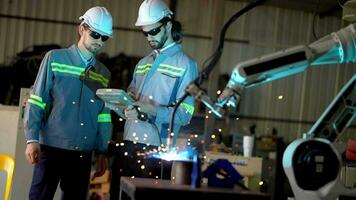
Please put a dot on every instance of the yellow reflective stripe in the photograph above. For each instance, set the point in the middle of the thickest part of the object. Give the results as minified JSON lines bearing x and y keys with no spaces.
{"x":103,"y":82}
{"x":70,"y":69}
{"x":144,"y":66}
{"x":39,"y":104}
{"x":170,"y":72}
{"x":171,"y":67}
{"x":68,"y":66}
{"x":66,"y":71}
{"x":35,"y":97}
{"x":98,"y":77}
{"x":189,"y":108}
{"x":142,"y":71}
{"x":102,"y":118}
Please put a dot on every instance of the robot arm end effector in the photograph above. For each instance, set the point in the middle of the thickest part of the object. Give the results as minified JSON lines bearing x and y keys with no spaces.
{"x":229,"y":97}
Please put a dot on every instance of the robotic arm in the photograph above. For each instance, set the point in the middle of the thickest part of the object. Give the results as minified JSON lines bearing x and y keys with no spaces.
{"x":312,"y":164}
{"x":337,"y":47}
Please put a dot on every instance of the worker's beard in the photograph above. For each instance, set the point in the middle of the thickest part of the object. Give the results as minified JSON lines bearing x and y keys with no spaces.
{"x":93,"y":47}
{"x":155,"y":44}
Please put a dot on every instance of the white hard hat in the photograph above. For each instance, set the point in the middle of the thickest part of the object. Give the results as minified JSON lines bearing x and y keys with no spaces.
{"x":151,"y":11}
{"x":99,"y":19}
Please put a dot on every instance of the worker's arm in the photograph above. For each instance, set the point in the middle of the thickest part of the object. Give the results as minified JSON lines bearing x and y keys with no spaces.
{"x":102,"y":141}
{"x":104,"y":131}
{"x":37,"y":108}
{"x":186,"y":109}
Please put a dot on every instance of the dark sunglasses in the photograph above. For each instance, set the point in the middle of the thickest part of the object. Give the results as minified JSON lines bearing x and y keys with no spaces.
{"x":153,"y":32}
{"x":96,"y":36}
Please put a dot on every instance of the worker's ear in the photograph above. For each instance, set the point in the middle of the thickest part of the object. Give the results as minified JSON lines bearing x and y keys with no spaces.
{"x":81,"y":30}
{"x":169,"y":26}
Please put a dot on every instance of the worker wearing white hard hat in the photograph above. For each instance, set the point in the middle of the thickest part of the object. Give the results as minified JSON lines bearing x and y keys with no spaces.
{"x":99,"y":19}
{"x":159,"y":81}
{"x":64,"y":121}
{"x":151,"y":12}
{"x":154,"y":16}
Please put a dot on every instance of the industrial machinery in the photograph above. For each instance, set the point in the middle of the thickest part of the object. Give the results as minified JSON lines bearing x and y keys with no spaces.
{"x":337,"y":47}
{"x":312,"y":164}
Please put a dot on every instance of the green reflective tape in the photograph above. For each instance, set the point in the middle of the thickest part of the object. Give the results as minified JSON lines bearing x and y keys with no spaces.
{"x":103,"y":82}
{"x":35,"y":102}
{"x":74,"y":70}
{"x":143,"y":71}
{"x":68,"y":67}
{"x":98,"y":77}
{"x":144,"y":66}
{"x":66,"y":71}
{"x":38,"y":98}
{"x":169,"y":72}
{"x":172,"y":67}
{"x":102,"y":118}
{"x":189,"y":108}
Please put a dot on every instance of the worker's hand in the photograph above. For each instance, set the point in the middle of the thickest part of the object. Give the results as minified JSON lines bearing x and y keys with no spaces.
{"x":33,"y":152}
{"x":146,"y":108}
{"x":101,"y":165}
{"x":131,"y":113}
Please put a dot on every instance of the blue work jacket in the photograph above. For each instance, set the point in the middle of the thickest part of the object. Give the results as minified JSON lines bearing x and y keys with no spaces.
{"x":63,"y":110}
{"x":161,"y":82}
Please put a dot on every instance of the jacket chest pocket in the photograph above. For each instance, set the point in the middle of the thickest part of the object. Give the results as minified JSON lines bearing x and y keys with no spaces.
{"x":166,"y":87}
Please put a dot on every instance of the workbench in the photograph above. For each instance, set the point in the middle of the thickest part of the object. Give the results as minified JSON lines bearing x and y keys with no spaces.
{"x":144,"y":188}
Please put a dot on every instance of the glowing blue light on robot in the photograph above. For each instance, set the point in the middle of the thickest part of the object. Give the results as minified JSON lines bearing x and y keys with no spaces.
{"x":341,"y":54}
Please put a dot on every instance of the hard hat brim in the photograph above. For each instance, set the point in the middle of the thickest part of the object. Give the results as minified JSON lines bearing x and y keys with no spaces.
{"x":94,"y":29}
{"x":141,"y":23}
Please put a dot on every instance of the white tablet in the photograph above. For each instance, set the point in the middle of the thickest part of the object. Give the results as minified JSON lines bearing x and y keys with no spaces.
{"x":115,"y":99}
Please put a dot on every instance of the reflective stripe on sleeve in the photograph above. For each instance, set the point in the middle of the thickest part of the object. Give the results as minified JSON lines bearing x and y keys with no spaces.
{"x":188,"y":108}
{"x":37,"y":103}
{"x":104,"y":118}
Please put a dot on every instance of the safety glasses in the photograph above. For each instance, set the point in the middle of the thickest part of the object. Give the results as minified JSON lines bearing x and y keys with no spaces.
{"x":153,"y":32}
{"x":96,"y":36}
